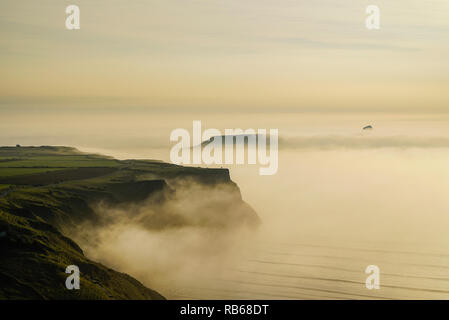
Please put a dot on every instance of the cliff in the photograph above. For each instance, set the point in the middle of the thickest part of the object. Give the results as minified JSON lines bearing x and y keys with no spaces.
{"x":46,"y":192}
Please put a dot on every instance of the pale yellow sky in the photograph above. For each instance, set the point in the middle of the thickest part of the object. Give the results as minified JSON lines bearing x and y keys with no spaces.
{"x":268,"y":54}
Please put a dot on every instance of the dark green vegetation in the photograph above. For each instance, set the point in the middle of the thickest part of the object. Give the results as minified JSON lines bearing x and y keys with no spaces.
{"x":34,"y":256}
{"x":45,"y":192}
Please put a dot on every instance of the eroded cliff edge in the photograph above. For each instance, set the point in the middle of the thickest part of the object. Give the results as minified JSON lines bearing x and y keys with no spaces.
{"x":48,"y":192}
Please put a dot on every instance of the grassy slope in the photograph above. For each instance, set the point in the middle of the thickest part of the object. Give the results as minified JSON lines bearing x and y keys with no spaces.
{"x":34,"y":254}
{"x":35,"y":206}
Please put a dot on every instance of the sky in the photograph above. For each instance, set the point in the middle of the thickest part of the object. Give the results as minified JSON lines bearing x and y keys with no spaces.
{"x":269,"y":55}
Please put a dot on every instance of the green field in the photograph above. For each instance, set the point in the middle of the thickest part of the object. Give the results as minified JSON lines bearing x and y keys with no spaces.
{"x":57,"y":162}
{"x":9,"y":172}
{"x":46,"y":165}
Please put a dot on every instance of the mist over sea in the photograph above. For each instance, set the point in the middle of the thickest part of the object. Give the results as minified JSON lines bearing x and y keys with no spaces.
{"x":343,"y":199}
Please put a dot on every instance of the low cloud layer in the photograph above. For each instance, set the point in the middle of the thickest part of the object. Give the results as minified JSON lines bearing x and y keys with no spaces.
{"x":174,"y":239}
{"x":362,"y":142}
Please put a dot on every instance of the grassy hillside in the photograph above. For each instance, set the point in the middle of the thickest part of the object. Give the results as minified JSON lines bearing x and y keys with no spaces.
{"x":47,"y":191}
{"x":34,"y":256}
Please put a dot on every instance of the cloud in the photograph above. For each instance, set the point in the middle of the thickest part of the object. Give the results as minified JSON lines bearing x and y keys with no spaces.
{"x":166,"y":240}
{"x":354,"y":45}
{"x":362,"y":142}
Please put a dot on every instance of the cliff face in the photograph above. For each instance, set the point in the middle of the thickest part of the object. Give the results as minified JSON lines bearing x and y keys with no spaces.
{"x":47,"y":192}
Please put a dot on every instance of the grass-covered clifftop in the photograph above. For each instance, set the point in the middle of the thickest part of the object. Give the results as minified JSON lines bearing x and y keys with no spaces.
{"x":46,"y":192}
